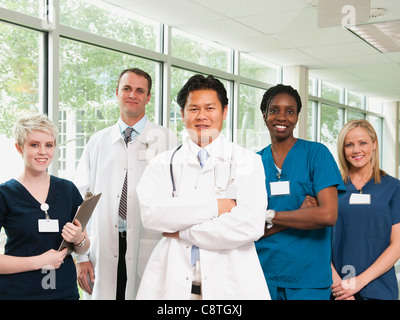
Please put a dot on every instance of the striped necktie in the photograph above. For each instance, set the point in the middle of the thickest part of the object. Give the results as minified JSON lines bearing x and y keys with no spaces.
{"x":122,"y":204}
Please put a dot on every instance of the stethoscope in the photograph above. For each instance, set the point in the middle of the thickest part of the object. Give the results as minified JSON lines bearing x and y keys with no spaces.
{"x":219,"y":187}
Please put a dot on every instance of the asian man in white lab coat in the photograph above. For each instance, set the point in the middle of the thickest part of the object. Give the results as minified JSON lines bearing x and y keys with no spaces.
{"x":208,"y":198}
{"x":112,"y":163}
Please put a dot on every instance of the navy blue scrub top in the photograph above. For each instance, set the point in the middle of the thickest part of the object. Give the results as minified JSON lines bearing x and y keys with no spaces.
{"x":19,"y":215}
{"x":362,"y":233}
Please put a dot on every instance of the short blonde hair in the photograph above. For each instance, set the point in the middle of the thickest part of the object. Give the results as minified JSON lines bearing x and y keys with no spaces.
{"x":31,"y":123}
{"x":344,"y":165}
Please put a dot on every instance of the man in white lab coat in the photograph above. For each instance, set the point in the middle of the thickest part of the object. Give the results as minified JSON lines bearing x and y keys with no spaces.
{"x":210,"y":211}
{"x":120,"y":247}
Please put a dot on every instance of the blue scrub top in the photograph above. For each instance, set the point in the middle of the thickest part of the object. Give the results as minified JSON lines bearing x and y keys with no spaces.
{"x":19,"y":214}
{"x":296,"y":258}
{"x":362,"y":233}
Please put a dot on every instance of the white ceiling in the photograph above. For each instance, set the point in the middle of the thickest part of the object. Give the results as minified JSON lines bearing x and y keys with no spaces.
{"x":286,"y":32}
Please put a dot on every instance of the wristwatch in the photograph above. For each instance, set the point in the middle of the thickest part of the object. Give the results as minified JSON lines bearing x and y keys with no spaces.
{"x":268,"y":218}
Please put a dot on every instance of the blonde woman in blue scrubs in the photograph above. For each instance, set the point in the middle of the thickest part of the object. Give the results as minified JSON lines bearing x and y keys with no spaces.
{"x":295,"y":253}
{"x":36,"y":210}
{"x":367,"y":233}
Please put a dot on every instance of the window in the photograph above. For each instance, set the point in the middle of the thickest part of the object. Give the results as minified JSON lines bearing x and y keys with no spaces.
{"x":356,"y":100}
{"x":110,"y":21}
{"x":353,"y":115}
{"x":331,"y":123}
{"x":88,"y":80}
{"x":252,"y":132}
{"x":199,"y":51}
{"x":256,"y":69}
{"x":29,"y":7}
{"x":326,"y":118}
{"x":332,"y":92}
{"x":19,"y":88}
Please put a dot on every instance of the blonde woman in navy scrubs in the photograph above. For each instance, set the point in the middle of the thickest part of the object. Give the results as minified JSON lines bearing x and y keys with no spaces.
{"x":36,"y":211}
{"x":367,"y":232}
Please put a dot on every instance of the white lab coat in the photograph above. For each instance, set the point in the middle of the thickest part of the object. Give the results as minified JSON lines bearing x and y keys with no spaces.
{"x":102,"y":169}
{"x":229,"y":264}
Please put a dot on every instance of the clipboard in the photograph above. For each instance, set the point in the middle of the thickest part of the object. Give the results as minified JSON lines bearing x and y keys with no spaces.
{"x":83,"y":214}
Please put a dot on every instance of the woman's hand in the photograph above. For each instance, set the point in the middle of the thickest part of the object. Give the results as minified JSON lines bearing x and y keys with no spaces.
{"x":73,"y":232}
{"x":346,"y":289}
{"x":309,"y":202}
{"x":52,"y":258}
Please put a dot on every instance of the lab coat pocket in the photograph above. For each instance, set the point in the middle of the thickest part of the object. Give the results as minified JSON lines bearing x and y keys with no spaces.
{"x":147,"y":154}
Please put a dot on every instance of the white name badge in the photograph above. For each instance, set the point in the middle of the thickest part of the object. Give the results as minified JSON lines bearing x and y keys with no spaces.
{"x":48,"y":225}
{"x":360,"y":198}
{"x":279,"y":188}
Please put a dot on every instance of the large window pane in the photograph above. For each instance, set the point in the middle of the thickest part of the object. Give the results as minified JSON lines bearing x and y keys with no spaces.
{"x":252,"y":133}
{"x":356,"y":100}
{"x":29,"y":7}
{"x":200,"y":51}
{"x":353,"y":115}
{"x":331,"y":123}
{"x":88,"y":80}
{"x":256,"y":69}
{"x":19,"y":88}
{"x":332,"y":92}
{"x":107,"y":20}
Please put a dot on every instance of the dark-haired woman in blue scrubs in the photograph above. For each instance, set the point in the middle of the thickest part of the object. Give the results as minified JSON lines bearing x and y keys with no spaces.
{"x":367,"y":232}
{"x":295,"y":253}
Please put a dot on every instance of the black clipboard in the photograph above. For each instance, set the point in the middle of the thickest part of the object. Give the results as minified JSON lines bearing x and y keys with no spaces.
{"x":83,"y":214}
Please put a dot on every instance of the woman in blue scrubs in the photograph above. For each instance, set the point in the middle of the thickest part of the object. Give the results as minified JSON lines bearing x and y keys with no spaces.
{"x":367,"y":233}
{"x":295,"y":252}
{"x":36,"y":211}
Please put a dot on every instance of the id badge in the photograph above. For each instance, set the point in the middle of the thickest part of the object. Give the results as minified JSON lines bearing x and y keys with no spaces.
{"x":280,"y":188}
{"x":360,"y":198}
{"x":48,"y":225}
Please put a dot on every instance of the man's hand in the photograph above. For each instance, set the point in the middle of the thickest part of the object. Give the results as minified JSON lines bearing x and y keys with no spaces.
{"x":85,"y":274}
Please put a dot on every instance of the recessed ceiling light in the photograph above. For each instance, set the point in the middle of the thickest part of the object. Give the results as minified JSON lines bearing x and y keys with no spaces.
{"x":377,"y":12}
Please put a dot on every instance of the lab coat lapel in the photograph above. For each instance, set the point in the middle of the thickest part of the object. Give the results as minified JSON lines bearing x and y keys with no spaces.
{"x":116,"y":135}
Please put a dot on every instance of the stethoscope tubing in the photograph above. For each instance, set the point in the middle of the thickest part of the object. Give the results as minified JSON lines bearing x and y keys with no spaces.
{"x":171,"y":171}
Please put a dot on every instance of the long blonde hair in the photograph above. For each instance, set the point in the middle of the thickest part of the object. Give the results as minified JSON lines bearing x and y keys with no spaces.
{"x":344,"y":165}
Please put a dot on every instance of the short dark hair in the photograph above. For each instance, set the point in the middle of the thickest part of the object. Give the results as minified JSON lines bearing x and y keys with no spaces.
{"x":139,"y":72}
{"x":200,"y":82}
{"x":270,"y":94}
